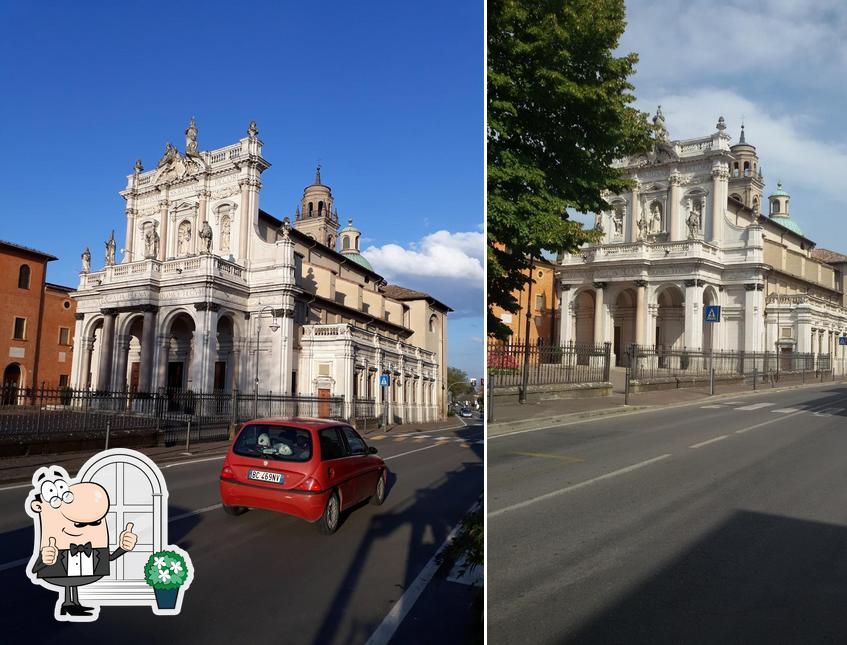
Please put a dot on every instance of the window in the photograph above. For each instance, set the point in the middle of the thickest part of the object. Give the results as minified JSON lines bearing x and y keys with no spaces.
{"x":354,"y":442}
{"x":63,"y":380}
{"x":281,"y":443}
{"x":345,"y":243}
{"x":23,"y":277}
{"x":539,"y":301}
{"x":20,"y":329}
{"x":432,"y":322}
{"x":66,"y":304}
{"x":332,"y":446}
{"x":64,"y":336}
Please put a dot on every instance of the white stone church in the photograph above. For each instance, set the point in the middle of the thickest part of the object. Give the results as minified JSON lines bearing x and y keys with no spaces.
{"x":691,"y":233}
{"x":213,"y":294}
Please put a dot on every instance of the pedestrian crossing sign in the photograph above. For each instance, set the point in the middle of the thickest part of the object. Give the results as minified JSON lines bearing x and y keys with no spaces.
{"x":712,"y":313}
{"x":842,"y":340}
{"x":384,"y":380}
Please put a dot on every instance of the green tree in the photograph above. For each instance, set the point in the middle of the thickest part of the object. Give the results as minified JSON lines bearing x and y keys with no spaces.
{"x":459,"y":385}
{"x":559,"y":114}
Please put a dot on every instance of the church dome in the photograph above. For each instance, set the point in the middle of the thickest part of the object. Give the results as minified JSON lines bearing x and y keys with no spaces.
{"x":788,"y":223}
{"x":359,"y":259}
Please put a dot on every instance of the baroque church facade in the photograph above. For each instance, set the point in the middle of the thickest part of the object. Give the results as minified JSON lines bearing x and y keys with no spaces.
{"x":215,"y":294}
{"x":696,"y":230}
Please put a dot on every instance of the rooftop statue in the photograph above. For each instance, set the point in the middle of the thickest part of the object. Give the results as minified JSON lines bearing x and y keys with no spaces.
{"x":110,"y":250}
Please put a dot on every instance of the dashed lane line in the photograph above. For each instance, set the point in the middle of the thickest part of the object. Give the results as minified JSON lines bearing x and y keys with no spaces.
{"x":756,"y":406}
{"x":707,"y":442}
{"x":573,"y":487}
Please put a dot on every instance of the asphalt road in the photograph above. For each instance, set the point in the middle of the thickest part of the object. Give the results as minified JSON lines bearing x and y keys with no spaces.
{"x":721,"y":522}
{"x":265,"y":577}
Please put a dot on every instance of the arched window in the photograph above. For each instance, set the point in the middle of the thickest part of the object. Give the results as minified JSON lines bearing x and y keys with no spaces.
{"x":776,"y":206}
{"x":320,"y":208}
{"x":345,"y":242}
{"x":311,"y":206}
{"x":735,"y":169}
{"x":433,"y":319}
{"x":23,"y":277}
{"x":746,"y":168}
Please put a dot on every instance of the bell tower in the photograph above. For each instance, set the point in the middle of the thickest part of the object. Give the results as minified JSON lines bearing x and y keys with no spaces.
{"x":745,"y":175}
{"x":316,"y":216}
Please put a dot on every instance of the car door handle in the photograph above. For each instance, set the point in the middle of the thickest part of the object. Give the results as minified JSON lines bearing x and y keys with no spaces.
{"x":331,"y":473}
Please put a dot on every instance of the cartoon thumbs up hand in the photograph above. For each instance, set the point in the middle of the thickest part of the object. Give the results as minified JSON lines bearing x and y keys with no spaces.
{"x":127,"y":538}
{"x":49,"y":553}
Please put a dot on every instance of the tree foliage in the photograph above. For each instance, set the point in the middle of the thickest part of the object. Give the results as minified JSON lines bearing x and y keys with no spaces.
{"x":559,"y":114}
{"x":459,"y":385}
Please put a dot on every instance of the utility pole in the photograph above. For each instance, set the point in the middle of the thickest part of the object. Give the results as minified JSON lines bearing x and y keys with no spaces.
{"x":525,"y":378}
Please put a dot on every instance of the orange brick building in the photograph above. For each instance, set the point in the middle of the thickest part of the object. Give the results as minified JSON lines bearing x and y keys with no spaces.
{"x":37,"y":320}
{"x":543,"y":303}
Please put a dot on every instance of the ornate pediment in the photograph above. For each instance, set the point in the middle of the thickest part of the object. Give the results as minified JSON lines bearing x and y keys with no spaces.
{"x":174,"y":166}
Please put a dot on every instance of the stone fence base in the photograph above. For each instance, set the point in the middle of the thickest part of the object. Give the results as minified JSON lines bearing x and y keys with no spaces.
{"x":506,"y":395}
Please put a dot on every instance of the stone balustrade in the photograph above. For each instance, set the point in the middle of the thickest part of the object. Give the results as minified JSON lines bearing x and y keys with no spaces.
{"x":362,"y":337}
{"x":692,"y":249}
{"x":153,"y":270}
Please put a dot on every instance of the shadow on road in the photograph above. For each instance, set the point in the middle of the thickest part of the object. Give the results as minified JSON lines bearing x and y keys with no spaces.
{"x":757,"y":578}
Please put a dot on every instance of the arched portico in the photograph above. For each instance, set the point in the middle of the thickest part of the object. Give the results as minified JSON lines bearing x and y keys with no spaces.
{"x":668,"y":328}
{"x":623,"y":317}
{"x":176,"y":341}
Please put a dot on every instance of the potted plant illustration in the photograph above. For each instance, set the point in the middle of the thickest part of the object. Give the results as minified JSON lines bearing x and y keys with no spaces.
{"x":166,"y":572}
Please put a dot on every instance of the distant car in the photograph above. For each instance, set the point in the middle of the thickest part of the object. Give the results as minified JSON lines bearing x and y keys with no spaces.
{"x":309,"y":468}
{"x":466,"y":412}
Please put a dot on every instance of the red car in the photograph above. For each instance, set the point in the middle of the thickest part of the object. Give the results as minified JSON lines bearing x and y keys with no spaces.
{"x":310,"y":468}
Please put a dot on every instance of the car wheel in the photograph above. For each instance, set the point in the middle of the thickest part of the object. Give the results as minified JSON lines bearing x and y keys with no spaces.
{"x":379,"y":492}
{"x":234,"y":510}
{"x":328,"y":524}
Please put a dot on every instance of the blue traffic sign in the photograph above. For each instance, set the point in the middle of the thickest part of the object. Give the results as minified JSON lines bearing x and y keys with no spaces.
{"x":842,"y":340}
{"x":384,"y":380}
{"x":712,"y":313}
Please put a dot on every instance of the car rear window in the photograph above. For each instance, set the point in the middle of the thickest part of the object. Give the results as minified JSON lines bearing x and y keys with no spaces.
{"x":274,"y":442}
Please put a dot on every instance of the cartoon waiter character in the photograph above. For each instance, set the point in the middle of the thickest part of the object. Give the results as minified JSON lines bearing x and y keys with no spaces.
{"x":71,"y":529}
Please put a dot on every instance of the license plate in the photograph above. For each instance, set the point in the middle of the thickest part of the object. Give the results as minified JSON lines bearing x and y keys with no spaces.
{"x":262,"y":476}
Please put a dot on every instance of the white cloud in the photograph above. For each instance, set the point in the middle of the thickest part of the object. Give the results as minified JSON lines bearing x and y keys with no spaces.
{"x":441,"y":254}
{"x":449,"y":266}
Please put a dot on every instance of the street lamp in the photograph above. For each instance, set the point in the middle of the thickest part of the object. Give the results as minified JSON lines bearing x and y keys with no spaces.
{"x":274,"y":326}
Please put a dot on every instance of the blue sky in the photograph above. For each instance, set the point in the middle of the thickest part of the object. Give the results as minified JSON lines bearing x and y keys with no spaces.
{"x":778,"y":65}
{"x":388,"y":96}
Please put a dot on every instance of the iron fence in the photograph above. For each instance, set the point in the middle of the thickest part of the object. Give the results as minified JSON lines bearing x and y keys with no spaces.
{"x":513,"y":364}
{"x":42,"y":411}
{"x":656,"y":362}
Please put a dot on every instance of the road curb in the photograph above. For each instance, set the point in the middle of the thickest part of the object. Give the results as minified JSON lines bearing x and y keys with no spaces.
{"x":497,"y":429}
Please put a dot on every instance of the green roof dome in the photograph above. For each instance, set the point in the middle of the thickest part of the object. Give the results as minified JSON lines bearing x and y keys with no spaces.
{"x":788,"y":223}
{"x":358,"y":259}
{"x":779,"y":191}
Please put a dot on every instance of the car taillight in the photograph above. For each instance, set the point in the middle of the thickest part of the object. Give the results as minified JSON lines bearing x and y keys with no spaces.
{"x":227,"y":472}
{"x":310,"y":484}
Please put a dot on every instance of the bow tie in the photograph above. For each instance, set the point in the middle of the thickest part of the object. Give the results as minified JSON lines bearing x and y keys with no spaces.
{"x":81,"y":548}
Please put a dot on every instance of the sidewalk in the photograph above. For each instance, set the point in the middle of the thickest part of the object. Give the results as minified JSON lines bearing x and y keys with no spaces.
{"x":430,"y":426}
{"x":516,"y":416}
{"x":20,"y":469}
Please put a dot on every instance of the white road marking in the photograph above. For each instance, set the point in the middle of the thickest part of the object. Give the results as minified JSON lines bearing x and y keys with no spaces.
{"x":706,"y":443}
{"x":787,"y":410}
{"x":403,"y":454}
{"x":385,"y":632}
{"x":827,"y":412}
{"x":573,"y":487}
{"x":711,"y":407}
{"x":13,"y":564}
{"x":16,"y":486}
{"x":192,"y":461}
{"x":756,"y":406}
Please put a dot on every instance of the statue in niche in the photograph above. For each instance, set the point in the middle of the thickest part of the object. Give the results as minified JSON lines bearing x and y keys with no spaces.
{"x":151,"y":242}
{"x":695,"y":219}
{"x":206,"y":237}
{"x":86,"y":261}
{"x":617,"y":220}
{"x":225,"y":224}
{"x":655,"y":218}
{"x":598,"y":222}
{"x":110,"y":250}
{"x":643,"y":227}
{"x":184,"y":239}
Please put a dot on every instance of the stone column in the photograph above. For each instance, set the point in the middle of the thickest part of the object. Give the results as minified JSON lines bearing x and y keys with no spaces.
{"x":77,"y":349}
{"x":119,"y":376}
{"x":204,"y":347}
{"x":640,"y":311}
{"x":107,"y":343}
{"x":163,"y":229}
{"x":162,"y":361}
{"x":673,"y":208}
{"x":236,"y":364}
{"x":719,"y":195}
{"x":565,"y":299}
{"x":244,"y":220}
{"x":83,"y":378}
{"x":148,"y":343}
{"x":752,"y":317}
{"x":599,"y":317}
{"x":693,"y":335}
{"x":129,"y":244}
{"x":635,"y":208}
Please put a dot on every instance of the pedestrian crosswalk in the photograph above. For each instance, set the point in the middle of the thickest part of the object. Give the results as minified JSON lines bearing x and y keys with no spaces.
{"x":818,"y":411}
{"x":415,"y":438}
